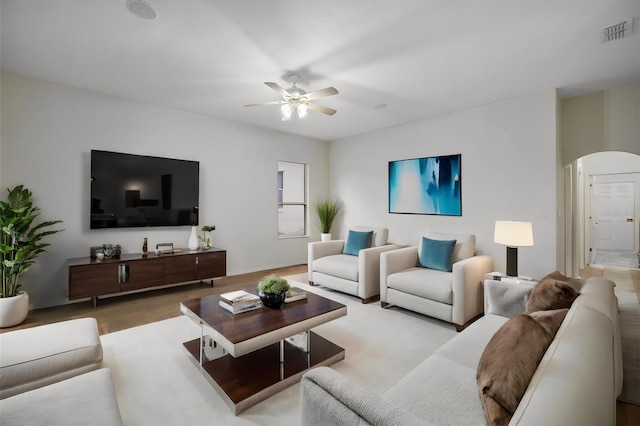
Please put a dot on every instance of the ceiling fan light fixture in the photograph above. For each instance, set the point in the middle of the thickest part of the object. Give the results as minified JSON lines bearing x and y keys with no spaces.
{"x":286,"y":110}
{"x":302,"y":109}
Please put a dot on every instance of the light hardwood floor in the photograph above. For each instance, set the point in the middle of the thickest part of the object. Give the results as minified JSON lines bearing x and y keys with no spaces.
{"x":122,"y":312}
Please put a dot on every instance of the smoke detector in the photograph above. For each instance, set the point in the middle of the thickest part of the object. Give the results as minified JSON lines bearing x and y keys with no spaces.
{"x":617,"y":31}
{"x":141,"y":9}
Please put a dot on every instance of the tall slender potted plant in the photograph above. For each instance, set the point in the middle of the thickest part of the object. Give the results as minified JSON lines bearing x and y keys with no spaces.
{"x":327,"y":209}
{"x":20,"y":244}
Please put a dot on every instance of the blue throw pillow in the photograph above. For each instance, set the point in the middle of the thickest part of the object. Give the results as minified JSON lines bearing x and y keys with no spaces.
{"x":357,"y":241}
{"x":436,"y":254}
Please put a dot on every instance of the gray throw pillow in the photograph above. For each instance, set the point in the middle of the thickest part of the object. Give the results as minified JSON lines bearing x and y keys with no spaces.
{"x":507,"y":300}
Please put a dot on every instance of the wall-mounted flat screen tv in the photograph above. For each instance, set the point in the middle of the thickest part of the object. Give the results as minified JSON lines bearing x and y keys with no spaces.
{"x":130,"y":190}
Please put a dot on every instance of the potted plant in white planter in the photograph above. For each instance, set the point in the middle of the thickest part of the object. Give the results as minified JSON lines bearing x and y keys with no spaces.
{"x":20,"y":245}
{"x":272,"y":291}
{"x":205,"y":239}
{"x":327,"y":209}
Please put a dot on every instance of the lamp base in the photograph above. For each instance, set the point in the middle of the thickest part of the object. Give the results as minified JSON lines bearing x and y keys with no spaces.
{"x":512,"y":261}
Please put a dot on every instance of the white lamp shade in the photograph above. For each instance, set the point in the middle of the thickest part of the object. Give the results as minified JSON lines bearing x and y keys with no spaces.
{"x":513,"y":234}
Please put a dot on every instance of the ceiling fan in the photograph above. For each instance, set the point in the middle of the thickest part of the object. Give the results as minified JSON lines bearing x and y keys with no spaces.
{"x":297,"y":100}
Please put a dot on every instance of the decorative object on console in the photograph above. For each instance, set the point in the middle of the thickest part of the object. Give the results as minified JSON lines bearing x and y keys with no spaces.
{"x":430,"y":185}
{"x":513,"y":235}
{"x":327,"y":210}
{"x":193,"y":238}
{"x":20,"y":245}
{"x":111,"y":251}
{"x":145,"y":246}
{"x":273,"y":291}
{"x":164,"y":248}
{"x":205,"y":239}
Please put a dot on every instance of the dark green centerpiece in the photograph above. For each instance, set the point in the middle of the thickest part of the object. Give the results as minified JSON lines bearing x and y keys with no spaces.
{"x":272,"y":291}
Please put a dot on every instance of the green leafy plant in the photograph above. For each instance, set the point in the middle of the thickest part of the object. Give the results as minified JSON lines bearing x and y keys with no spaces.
{"x":327,"y":209}
{"x":20,"y":240}
{"x":273,"y":284}
{"x":208,"y":228}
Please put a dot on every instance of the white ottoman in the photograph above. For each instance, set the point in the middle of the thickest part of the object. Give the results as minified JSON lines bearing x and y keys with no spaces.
{"x":88,"y":399}
{"x":38,"y":356}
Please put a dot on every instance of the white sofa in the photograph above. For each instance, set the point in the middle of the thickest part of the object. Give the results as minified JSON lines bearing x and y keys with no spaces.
{"x":51,"y":374}
{"x":576,"y":382}
{"x":355,"y":275}
{"x":455,"y":296}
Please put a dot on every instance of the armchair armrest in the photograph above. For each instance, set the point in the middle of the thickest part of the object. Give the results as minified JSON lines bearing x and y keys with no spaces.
{"x":399,"y":260}
{"x":319,"y":249}
{"x":369,"y":267}
{"x":395,"y":261}
{"x":468,"y":296}
{"x":329,"y":398}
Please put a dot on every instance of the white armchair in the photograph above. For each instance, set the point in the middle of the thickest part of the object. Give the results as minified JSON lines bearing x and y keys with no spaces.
{"x":456,"y":297}
{"x":356,"y":275}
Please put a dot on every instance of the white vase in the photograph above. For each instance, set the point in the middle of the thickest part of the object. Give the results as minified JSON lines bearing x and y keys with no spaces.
{"x":13,"y":310}
{"x":193,"y":238}
{"x":325,"y":237}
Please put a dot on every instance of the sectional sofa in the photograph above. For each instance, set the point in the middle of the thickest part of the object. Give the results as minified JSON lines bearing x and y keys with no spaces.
{"x":52,"y":374}
{"x":576,"y":381}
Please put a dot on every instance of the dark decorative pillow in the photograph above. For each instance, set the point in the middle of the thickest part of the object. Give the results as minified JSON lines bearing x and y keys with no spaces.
{"x":356,"y":241}
{"x":576,"y":283}
{"x":436,"y":254}
{"x":510,"y":359}
{"x":551,"y":294}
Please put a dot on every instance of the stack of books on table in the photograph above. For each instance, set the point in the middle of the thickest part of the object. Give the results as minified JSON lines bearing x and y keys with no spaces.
{"x":294,"y":295}
{"x":240,"y":301}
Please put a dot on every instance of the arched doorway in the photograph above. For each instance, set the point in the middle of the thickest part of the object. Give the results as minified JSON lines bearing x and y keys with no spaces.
{"x":602,"y":211}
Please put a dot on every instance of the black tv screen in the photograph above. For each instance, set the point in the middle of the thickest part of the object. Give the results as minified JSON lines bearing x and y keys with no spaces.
{"x":130,"y":190}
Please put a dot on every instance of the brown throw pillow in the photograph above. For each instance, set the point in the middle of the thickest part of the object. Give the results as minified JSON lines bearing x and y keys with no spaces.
{"x":510,"y":359}
{"x":576,"y":283}
{"x":550,"y":294}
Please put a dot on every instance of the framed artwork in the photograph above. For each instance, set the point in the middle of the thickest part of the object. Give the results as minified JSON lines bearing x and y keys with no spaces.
{"x":429,"y":185}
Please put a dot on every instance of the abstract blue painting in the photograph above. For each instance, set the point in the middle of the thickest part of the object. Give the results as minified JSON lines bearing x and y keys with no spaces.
{"x":429,"y":185}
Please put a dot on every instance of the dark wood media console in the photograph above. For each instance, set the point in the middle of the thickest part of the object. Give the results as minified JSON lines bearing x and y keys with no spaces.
{"x":92,"y":278}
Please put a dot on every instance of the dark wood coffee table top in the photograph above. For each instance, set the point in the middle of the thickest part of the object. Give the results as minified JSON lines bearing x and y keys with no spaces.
{"x":243,"y":333}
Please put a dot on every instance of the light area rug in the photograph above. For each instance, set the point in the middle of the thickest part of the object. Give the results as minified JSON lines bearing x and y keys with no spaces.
{"x":157,"y":384}
{"x":629,"y":309}
{"x":627,"y":291}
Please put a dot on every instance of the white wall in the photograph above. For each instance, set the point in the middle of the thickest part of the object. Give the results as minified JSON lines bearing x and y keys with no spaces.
{"x":48,"y":131}
{"x":508,"y":173}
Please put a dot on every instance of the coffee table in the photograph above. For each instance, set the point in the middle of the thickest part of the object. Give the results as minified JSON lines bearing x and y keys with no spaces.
{"x":249,"y":357}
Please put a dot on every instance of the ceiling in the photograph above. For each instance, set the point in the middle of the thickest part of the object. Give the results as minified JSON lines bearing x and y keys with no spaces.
{"x":421,"y":58}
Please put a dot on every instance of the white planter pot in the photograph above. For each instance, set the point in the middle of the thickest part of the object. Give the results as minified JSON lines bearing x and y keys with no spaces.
{"x":193,"y":238}
{"x":325,"y":237}
{"x":13,"y":310}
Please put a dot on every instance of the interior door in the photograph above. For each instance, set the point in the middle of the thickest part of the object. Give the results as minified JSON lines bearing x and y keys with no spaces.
{"x":612,"y":218}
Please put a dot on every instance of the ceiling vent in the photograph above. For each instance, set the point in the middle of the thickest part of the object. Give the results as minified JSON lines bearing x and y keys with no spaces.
{"x":617,"y":31}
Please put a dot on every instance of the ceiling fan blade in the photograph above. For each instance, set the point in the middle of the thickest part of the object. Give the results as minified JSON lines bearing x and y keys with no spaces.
{"x":320,"y":108}
{"x":278,"y":88}
{"x":268,"y":103}
{"x":321,"y":93}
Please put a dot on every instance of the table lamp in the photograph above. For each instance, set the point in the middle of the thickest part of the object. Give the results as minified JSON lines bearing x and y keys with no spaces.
{"x":513,"y":235}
